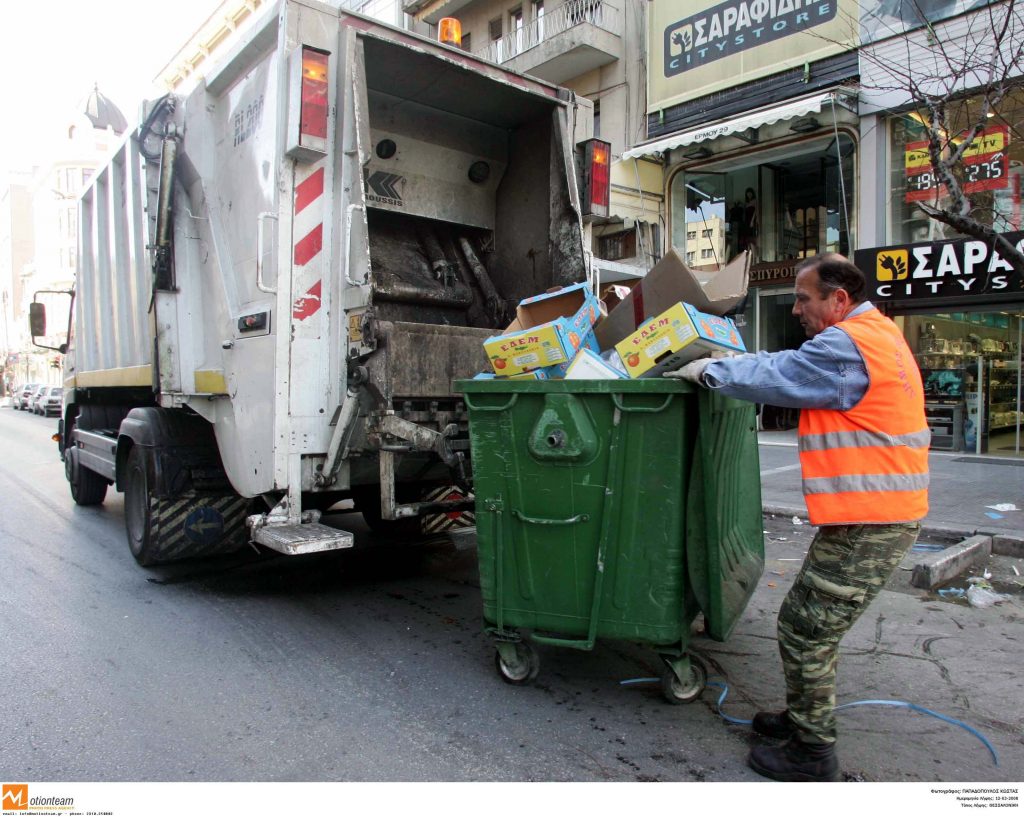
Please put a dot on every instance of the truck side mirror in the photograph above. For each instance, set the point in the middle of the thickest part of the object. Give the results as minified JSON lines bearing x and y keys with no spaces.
{"x":37,"y":319}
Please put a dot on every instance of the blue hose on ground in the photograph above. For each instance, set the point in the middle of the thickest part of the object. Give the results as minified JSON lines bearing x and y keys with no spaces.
{"x":902,"y":704}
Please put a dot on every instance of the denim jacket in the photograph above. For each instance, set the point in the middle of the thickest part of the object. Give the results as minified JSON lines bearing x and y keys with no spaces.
{"x":826,"y":372}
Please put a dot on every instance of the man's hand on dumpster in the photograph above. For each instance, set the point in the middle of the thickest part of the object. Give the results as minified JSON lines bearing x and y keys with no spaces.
{"x":692,"y":371}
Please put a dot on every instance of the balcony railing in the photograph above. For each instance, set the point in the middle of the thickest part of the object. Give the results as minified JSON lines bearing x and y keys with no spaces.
{"x":560,"y":19}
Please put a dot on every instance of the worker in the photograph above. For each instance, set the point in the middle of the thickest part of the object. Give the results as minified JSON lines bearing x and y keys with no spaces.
{"x":863,"y":447}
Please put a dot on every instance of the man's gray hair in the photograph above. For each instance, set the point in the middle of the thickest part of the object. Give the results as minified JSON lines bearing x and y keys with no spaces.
{"x":834,"y":273}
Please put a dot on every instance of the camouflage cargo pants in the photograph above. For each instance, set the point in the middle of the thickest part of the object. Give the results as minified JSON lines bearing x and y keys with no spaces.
{"x":845,"y":568}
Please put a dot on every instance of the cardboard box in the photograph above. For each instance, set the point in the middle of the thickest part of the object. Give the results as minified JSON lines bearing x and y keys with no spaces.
{"x":678,"y":335}
{"x":588,"y":365}
{"x":556,"y":372}
{"x":669,"y":282}
{"x":548,"y":330}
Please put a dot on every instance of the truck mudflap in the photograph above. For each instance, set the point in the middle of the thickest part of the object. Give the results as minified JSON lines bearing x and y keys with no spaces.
{"x":724,"y":539}
{"x":194,"y":525}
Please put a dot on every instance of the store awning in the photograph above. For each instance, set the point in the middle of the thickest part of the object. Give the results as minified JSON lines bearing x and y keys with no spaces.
{"x":766,"y":116}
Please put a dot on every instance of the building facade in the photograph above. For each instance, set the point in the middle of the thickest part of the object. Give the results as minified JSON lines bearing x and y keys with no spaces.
{"x":958,"y":299}
{"x":17,"y":246}
{"x":39,"y":238}
{"x":791,"y":124}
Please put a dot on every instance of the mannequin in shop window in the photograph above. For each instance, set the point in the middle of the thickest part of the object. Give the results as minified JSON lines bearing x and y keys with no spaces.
{"x":748,"y":223}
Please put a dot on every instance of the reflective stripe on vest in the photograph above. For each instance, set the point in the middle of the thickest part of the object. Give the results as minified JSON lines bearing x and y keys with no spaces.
{"x":866,"y":482}
{"x":869,"y":465}
{"x":863,"y":439}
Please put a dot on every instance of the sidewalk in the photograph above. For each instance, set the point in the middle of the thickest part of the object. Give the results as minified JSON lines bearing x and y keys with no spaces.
{"x":962,"y":487}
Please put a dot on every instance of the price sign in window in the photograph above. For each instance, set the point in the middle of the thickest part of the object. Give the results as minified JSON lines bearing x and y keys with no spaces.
{"x":921,"y":182}
{"x":987,"y":162}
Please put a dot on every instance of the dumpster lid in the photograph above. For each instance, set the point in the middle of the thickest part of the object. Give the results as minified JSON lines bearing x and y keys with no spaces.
{"x":724,"y":529}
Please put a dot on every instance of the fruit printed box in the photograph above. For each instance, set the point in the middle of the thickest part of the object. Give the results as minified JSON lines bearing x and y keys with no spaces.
{"x":678,"y":335}
{"x":556,"y":372}
{"x":548,"y":331}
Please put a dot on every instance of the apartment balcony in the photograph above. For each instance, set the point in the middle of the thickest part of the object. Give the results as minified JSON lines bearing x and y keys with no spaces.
{"x":569,"y":40}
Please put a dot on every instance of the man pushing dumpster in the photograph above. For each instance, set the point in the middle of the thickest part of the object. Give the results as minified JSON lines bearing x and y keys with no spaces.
{"x":863,"y":443}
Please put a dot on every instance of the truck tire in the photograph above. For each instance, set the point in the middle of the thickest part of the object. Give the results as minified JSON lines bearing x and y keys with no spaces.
{"x":186,"y":526}
{"x":87,"y":487}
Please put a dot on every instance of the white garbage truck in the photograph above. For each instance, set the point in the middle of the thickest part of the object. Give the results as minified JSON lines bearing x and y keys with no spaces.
{"x":282,"y":273}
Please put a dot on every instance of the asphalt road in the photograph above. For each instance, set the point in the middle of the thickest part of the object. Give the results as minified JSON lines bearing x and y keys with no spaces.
{"x":372,"y":664}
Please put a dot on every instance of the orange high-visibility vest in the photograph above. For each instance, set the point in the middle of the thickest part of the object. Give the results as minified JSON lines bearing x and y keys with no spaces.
{"x":869,"y":465}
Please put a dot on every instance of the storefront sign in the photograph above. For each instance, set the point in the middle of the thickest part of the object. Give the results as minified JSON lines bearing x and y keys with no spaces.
{"x":986,"y":166}
{"x":781,"y":272}
{"x":738,"y":25}
{"x":728,"y":43}
{"x":964,"y":269}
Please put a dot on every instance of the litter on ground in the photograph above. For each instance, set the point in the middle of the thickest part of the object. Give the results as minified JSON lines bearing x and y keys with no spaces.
{"x":979,"y":596}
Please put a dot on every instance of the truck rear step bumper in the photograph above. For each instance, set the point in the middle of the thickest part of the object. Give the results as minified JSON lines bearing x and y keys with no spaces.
{"x":296,"y":540}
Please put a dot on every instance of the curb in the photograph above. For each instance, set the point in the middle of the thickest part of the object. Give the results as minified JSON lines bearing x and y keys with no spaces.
{"x":938,"y":568}
{"x":1012,"y":544}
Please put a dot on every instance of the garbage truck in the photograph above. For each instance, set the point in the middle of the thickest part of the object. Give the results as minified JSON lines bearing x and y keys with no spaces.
{"x":282,"y":273}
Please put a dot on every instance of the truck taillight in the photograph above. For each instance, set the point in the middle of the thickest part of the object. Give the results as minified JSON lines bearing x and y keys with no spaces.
{"x":596,"y":177}
{"x":313,"y":120}
{"x":449,"y":31}
{"x":309,"y":104}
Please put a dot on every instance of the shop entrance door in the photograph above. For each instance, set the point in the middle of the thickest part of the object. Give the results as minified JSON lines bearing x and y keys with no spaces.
{"x":778,"y":329}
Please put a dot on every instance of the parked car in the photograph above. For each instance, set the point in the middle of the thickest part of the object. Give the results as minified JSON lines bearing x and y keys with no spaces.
{"x":22,"y":395}
{"x":50,"y":402}
{"x":33,"y":401}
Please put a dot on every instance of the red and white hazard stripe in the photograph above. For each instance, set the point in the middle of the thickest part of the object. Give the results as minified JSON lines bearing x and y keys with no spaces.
{"x":308,"y":233}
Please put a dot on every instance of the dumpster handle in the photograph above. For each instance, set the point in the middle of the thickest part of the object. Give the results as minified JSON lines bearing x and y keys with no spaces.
{"x":617,"y":399}
{"x":507,"y":405}
{"x":581,"y":517}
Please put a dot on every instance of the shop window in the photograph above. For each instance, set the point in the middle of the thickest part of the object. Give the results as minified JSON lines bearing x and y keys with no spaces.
{"x":789,"y":208}
{"x":970,"y":367}
{"x":992,"y":178}
{"x":617,"y":246}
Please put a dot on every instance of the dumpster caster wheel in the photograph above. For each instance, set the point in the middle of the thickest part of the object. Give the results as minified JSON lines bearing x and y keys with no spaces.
{"x":677,"y":692}
{"x":520,"y":665}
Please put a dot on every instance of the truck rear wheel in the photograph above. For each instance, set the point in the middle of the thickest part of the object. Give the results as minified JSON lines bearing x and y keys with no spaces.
{"x":187,"y":525}
{"x":138,"y":512}
{"x":87,"y":487}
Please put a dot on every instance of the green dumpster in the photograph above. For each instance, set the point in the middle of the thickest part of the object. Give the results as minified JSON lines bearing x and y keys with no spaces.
{"x":614,"y":509}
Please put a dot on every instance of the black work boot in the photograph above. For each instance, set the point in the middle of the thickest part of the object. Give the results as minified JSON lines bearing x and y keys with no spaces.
{"x":774,"y":725}
{"x":796,"y":762}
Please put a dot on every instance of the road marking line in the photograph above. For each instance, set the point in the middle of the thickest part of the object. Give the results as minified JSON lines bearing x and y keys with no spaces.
{"x":779,"y":470}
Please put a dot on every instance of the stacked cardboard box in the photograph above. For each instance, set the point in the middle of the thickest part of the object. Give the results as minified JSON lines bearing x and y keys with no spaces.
{"x":672,"y":316}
